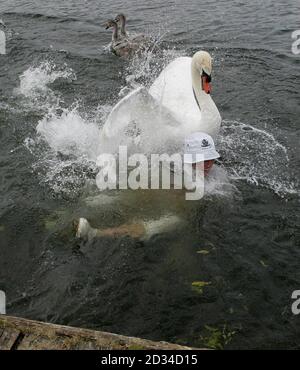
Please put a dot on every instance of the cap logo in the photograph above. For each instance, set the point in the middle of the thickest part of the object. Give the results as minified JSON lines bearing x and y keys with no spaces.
{"x":205,"y":143}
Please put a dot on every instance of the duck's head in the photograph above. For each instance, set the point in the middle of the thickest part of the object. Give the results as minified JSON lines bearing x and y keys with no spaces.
{"x":110,"y":24}
{"x":202,"y":61}
{"x":120,"y":18}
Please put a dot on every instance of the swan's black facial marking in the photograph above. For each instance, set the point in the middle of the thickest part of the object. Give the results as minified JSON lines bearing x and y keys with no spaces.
{"x":208,"y":77}
{"x":206,"y":82}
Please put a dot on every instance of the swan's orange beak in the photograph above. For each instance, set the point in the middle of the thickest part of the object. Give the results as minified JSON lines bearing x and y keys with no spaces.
{"x":206,"y":83}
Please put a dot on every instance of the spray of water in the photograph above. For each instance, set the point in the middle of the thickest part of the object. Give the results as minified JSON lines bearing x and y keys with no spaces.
{"x":68,"y":140}
{"x":255,"y":155}
{"x":35,"y":84}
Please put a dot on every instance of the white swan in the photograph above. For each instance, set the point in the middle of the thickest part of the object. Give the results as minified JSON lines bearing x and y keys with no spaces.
{"x":183,"y":87}
{"x":177,"y":104}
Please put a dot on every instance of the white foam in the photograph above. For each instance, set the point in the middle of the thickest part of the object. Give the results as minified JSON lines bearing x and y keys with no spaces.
{"x":149,"y":64}
{"x":70,"y":134}
{"x":249,"y":153}
{"x":35,"y":85}
{"x":255,"y":155}
{"x":35,"y":80}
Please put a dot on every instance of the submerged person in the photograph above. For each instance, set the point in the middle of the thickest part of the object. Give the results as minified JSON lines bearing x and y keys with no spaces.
{"x":196,"y":145}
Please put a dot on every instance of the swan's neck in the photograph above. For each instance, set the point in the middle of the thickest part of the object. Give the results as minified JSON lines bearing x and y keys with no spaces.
{"x":123,"y":25}
{"x":115,"y":34}
{"x":210,"y":116}
{"x":204,"y":100}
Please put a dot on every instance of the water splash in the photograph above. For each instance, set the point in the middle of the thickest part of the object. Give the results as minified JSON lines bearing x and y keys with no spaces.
{"x":255,"y":155}
{"x":66,"y":148}
{"x":144,"y":68}
{"x":65,"y":144}
{"x":34,"y":84}
{"x":69,"y":133}
{"x":35,"y":80}
{"x":68,"y":139}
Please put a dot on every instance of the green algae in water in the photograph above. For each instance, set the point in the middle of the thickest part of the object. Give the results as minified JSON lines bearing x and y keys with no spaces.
{"x":217,"y":338}
{"x":203,"y":251}
{"x":198,"y":286}
{"x":263,"y":263}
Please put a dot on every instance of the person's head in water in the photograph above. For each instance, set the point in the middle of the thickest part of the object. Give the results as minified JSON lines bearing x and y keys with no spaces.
{"x":203,"y":145}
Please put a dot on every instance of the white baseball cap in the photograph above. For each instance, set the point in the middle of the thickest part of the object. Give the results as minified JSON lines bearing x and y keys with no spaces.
{"x":202,"y":144}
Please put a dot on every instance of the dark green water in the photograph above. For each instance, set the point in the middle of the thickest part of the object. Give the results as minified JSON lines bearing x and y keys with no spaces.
{"x":57,"y":71}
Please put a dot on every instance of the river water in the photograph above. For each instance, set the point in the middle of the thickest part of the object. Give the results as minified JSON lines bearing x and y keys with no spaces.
{"x":224,"y":279}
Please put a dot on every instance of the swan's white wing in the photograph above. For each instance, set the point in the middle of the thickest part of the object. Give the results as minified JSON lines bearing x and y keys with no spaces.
{"x":141,"y":124}
{"x":173,"y":90}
